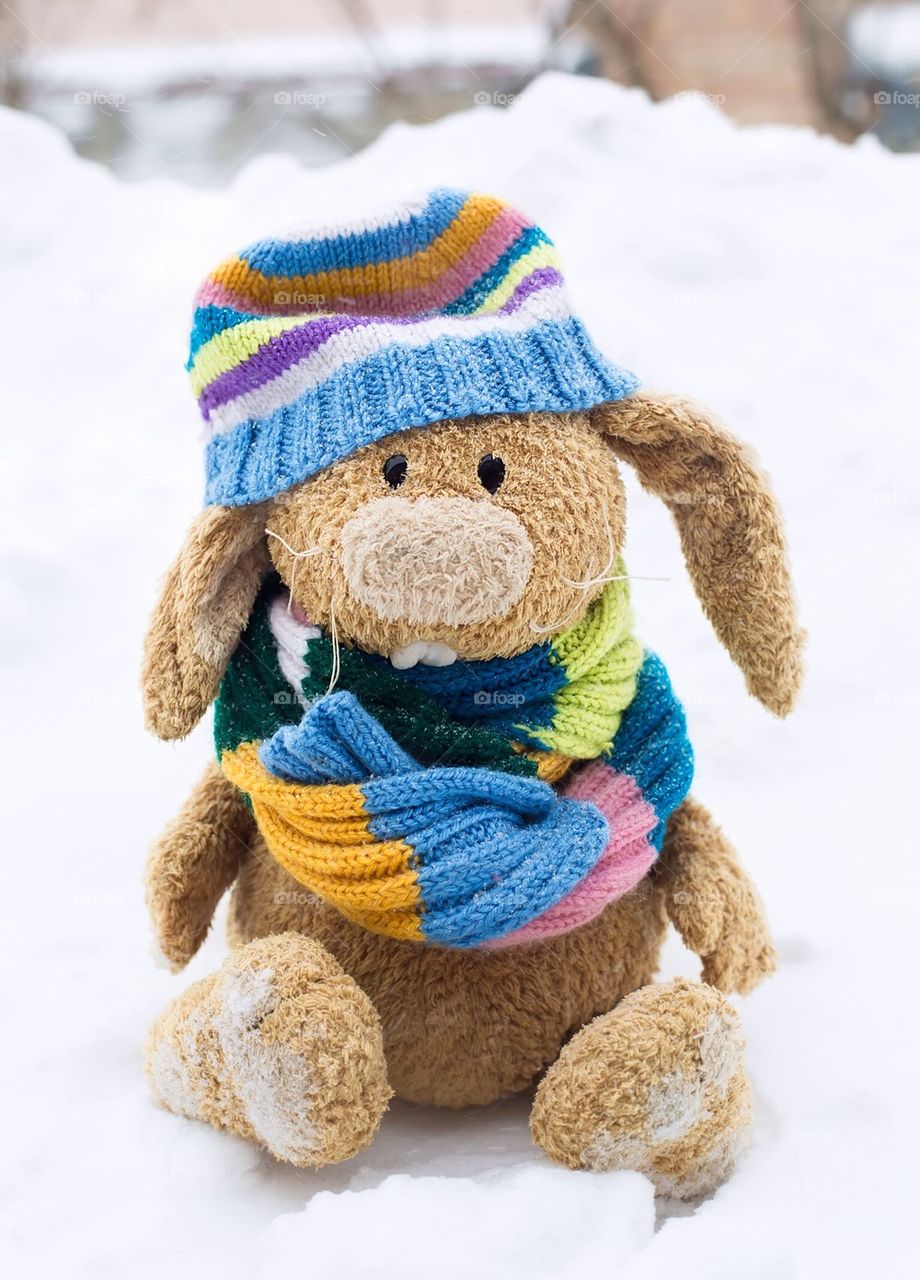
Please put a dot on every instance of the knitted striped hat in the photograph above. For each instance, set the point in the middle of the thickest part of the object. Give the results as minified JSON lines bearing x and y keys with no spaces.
{"x":307,"y":347}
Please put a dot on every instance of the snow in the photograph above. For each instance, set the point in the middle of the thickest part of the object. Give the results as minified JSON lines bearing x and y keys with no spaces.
{"x":771,"y":273}
{"x":885,"y":39}
{"x":590,"y":1224}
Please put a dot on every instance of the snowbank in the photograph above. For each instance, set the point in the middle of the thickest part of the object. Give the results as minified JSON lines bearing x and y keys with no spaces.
{"x":769,"y":272}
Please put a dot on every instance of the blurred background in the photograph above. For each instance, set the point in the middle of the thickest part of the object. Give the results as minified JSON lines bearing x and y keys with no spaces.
{"x":191,"y":88}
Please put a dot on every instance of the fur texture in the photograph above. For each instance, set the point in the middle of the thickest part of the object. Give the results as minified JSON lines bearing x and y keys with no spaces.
{"x":712,"y":902}
{"x":193,"y":863}
{"x":458,"y":1027}
{"x":730,"y":530}
{"x":657,"y":1085}
{"x":436,"y":560}
{"x":280,"y":1046}
{"x":206,"y":599}
{"x":559,"y":478}
{"x":463,"y":1028}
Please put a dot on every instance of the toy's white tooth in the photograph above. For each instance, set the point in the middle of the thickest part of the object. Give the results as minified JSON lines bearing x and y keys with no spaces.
{"x":409,"y":655}
{"x":438,"y":655}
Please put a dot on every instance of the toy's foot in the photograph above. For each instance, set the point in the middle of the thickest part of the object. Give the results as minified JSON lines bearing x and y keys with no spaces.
{"x":279,"y":1046}
{"x":657,"y":1085}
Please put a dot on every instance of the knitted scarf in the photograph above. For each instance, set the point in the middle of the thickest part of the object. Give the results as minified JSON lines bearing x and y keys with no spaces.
{"x":482,"y":804}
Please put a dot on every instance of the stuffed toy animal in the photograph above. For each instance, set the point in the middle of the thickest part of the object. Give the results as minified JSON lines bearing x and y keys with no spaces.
{"x":452,"y":791}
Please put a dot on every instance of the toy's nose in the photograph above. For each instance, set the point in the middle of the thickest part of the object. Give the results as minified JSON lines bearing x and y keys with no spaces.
{"x":451,"y":561}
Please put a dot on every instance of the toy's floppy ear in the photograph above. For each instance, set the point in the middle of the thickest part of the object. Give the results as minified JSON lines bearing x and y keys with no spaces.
{"x":206,"y":600}
{"x":730,"y":530}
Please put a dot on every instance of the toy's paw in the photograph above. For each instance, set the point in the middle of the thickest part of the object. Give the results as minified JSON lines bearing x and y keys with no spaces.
{"x":717,"y":912}
{"x":657,"y":1086}
{"x":193,"y":863}
{"x":731,"y":967}
{"x":279,"y":1046}
{"x":180,"y":908}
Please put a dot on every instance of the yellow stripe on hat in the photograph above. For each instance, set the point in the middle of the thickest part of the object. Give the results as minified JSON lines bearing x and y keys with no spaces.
{"x":428,"y":265}
{"x":541,"y":255}
{"x":232,"y":346}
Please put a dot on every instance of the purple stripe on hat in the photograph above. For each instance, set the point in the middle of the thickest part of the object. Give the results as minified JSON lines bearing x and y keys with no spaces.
{"x":280,"y":353}
{"x":542,"y":278}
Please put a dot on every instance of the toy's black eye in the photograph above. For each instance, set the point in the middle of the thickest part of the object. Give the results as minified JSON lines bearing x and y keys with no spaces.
{"x":491,"y":472}
{"x":394,"y":470}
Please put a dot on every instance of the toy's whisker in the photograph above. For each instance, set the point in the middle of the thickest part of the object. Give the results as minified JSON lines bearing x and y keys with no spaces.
{"x":298,"y":556}
{"x":611,"y":557}
{"x":336,"y":669}
{"x":585,"y":586}
{"x":616,"y":577}
{"x":605,"y":576}
{"x":554,"y":626}
{"x":602,"y":578}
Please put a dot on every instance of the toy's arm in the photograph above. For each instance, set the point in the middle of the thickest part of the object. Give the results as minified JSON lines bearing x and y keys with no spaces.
{"x":712,"y":902}
{"x":194,"y":862}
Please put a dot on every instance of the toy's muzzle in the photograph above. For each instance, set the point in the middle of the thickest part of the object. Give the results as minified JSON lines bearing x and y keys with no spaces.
{"x":445,"y":561}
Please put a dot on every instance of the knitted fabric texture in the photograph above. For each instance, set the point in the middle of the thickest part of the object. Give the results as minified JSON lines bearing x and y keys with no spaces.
{"x":419,"y":803}
{"x":306,"y":347}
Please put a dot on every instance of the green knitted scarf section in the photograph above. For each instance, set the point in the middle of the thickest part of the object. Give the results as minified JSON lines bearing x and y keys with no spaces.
{"x":255,"y":699}
{"x":565,"y":695}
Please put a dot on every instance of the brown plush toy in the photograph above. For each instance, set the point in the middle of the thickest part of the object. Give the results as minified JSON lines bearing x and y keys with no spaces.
{"x":452,"y":790}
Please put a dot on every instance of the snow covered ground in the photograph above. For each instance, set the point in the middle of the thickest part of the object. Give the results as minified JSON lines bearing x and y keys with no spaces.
{"x":770,"y":273}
